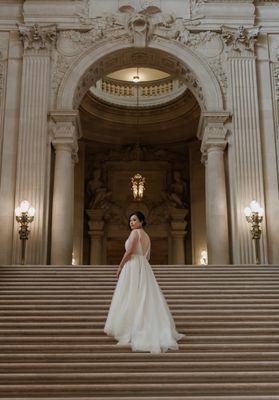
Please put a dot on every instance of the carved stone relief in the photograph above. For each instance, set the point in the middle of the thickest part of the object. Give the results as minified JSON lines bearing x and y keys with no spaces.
{"x":219,"y":68}
{"x":137,"y":25}
{"x":240,"y":40}
{"x":37,"y":37}
{"x":87,"y":10}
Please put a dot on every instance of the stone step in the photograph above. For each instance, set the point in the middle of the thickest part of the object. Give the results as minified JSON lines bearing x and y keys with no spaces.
{"x":206,"y":326}
{"x":246,"y":289}
{"x":7,"y":315}
{"x":188,"y":347}
{"x":93,"y":317}
{"x":164,"y":279}
{"x":178,"y":302}
{"x":121,"y":391}
{"x":140,"y":377}
{"x":185,"y":297}
{"x":68,"y":307}
{"x":184,"y":397}
{"x":97,"y":329}
{"x":192,"y":338}
{"x":139,"y":357}
{"x":147,"y":366}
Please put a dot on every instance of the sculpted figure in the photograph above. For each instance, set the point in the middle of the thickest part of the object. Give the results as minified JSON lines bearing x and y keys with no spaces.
{"x":97,"y":192}
{"x":177,"y":196}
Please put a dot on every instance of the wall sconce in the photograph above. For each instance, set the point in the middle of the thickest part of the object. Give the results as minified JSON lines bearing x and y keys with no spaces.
{"x":73,"y":259}
{"x":204,"y":258}
{"x":24,"y":216}
{"x":254,"y":216}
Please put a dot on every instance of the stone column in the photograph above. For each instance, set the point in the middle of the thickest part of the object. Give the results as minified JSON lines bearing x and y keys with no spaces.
{"x":79,"y":205}
{"x":197,"y":192}
{"x":10,"y":81}
{"x":245,"y":168}
{"x":96,"y":233}
{"x":178,"y":225}
{"x":268,"y":84}
{"x":213,"y":146}
{"x":64,"y":132}
{"x":33,"y":159}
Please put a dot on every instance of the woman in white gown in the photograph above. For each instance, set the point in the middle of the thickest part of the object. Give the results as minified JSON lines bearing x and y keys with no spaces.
{"x":139,"y":315}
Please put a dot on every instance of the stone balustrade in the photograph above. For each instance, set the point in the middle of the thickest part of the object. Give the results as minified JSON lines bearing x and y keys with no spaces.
{"x":148,"y":93}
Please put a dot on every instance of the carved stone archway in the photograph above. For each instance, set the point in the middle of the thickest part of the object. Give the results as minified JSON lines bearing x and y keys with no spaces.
{"x":171,"y":56}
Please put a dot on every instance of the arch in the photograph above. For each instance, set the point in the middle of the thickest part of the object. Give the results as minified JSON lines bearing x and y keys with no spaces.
{"x":200,"y":70}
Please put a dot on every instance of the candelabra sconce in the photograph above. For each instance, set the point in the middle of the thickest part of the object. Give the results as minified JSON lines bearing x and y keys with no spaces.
{"x":24,"y":216}
{"x":254,"y":216}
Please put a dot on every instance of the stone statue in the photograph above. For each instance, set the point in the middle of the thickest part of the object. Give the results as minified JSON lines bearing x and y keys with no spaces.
{"x":97,"y":193}
{"x":177,"y":195}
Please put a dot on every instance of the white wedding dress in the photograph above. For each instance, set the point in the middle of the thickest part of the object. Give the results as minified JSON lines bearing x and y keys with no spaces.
{"x":139,"y":315}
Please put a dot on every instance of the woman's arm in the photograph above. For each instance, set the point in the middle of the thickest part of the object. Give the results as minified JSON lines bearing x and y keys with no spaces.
{"x":132,"y":244}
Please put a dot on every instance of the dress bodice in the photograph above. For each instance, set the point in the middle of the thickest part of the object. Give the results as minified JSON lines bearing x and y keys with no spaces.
{"x":138,"y":244}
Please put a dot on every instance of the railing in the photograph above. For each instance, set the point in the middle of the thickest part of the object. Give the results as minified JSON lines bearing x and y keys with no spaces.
{"x":148,"y":93}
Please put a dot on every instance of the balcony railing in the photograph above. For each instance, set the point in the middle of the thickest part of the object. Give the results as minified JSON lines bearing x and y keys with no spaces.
{"x":144,"y":93}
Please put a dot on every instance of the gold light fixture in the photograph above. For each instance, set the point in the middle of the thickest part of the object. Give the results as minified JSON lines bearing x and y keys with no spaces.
{"x":254,"y":216}
{"x":24,"y":216}
{"x":137,"y":181}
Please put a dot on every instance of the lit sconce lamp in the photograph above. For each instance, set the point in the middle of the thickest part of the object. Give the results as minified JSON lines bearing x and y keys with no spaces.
{"x":204,"y":258}
{"x":254,"y":216}
{"x":73,"y":259}
{"x":24,"y":216}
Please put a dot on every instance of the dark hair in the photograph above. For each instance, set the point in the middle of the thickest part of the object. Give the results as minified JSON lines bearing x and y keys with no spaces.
{"x":140,"y":216}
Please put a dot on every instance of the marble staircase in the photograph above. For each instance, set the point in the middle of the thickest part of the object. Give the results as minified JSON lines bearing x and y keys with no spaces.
{"x":52,"y":344}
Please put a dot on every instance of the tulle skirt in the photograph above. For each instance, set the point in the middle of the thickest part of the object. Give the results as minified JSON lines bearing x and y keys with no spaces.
{"x":139,"y":315}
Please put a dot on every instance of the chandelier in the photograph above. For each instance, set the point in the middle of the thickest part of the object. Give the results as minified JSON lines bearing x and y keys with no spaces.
{"x":137,"y":186}
{"x":137,"y":181}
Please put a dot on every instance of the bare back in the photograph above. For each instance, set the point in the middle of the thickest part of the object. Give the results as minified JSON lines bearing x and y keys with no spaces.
{"x":144,"y":242}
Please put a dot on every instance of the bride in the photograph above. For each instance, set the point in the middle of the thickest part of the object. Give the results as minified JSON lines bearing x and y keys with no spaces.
{"x":139,"y":315}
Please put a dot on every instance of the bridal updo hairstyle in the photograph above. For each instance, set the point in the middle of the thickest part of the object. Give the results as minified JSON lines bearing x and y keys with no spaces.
{"x":140,"y":216}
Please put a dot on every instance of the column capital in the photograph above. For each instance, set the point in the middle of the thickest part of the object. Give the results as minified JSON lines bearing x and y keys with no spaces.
{"x":212,"y":118}
{"x":213,"y":131}
{"x":37,"y":39}
{"x":65,"y":130}
{"x":240,"y":41}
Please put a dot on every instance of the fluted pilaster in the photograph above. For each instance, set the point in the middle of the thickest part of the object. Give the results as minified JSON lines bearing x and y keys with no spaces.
{"x":247,"y":172}
{"x":32,"y":178}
